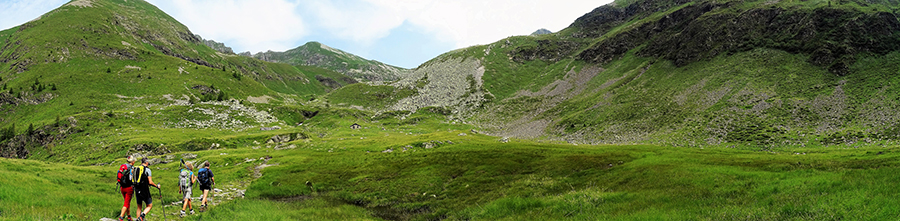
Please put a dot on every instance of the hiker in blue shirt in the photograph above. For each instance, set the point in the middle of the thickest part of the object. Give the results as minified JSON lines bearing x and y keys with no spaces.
{"x":206,"y":179}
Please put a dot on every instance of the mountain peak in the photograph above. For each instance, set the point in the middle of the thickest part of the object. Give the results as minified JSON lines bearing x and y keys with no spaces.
{"x":314,"y":53}
{"x":542,"y":31}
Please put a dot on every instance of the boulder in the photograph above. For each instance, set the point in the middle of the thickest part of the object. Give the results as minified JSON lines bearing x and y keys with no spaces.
{"x":504,"y":139}
{"x":188,"y":156}
{"x":279,"y":139}
{"x":388,"y":151}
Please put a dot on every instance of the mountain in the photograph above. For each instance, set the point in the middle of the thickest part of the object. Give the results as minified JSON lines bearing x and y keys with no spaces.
{"x":692,"y":73}
{"x":320,"y":55}
{"x":791,"y":106}
{"x":542,"y":31}
{"x":121,"y":58}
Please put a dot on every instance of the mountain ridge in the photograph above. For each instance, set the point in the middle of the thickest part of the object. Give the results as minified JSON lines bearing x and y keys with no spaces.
{"x":317,"y":54}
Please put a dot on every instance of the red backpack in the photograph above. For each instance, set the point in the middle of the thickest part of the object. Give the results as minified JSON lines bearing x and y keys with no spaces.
{"x":124,"y":176}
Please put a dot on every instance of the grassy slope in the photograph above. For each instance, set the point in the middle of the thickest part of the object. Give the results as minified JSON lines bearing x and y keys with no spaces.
{"x":73,"y":47}
{"x":761,"y":96}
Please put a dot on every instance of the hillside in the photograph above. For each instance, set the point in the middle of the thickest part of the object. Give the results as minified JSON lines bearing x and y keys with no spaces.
{"x":320,"y":55}
{"x":93,"y":61}
{"x":691,"y":73}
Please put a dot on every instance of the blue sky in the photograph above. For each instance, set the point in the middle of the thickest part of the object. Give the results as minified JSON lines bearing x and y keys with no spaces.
{"x":404,"y":33}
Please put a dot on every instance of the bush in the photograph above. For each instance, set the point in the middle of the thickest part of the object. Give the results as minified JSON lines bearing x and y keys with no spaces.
{"x":108,"y":70}
{"x":30,"y":130}
{"x":8,"y":133}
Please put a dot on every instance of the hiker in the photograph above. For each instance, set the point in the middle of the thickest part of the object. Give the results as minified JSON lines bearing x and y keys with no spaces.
{"x":186,"y":181}
{"x":143,"y":179}
{"x":205,"y":176}
{"x":123,"y":178}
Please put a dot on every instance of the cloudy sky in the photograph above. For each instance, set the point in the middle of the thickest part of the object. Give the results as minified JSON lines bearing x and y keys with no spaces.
{"x":405,"y":33}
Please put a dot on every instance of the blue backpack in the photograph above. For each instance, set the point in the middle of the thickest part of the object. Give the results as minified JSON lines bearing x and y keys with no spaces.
{"x":203,"y":176}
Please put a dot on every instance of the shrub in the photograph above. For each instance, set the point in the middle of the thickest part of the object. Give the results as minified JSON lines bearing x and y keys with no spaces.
{"x":30,"y":130}
{"x":108,"y":70}
{"x":8,"y":133}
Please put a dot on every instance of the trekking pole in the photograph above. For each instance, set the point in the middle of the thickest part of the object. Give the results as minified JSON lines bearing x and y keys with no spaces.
{"x":161,"y":203}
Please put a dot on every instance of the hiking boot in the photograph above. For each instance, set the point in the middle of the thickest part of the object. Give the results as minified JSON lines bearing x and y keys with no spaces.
{"x":128,"y":218}
{"x":192,"y":211}
{"x":141,"y":218}
{"x":121,"y":219}
{"x":183,"y":214}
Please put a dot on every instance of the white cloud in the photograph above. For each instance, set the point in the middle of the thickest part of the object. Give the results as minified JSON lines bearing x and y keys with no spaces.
{"x":256,"y":25}
{"x":465,"y":22}
{"x":17,"y":12}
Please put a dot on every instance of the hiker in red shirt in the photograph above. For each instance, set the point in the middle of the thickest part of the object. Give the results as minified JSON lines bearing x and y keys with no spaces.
{"x":126,"y":186}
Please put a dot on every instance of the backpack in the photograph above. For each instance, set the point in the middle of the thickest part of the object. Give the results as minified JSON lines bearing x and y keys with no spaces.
{"x":123,"y":178}
{"x":184,"y":180}
{"x":203,"y":176}
{"x":139,"y":177}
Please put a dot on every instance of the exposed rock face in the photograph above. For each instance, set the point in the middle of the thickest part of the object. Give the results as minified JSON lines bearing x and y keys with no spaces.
{"x":830,"y":36}
{"x":455,"y":84}
{"x":22,"y":145}
{"x":220,"y":47}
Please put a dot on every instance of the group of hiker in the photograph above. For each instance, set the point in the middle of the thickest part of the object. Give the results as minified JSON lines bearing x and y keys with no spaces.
{"x":135,"y":182}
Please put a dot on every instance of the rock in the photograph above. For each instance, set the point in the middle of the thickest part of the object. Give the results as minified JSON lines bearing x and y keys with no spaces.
{"x":388,"y":151}
{"x":279,"y":139}
{"x":270,"y":128}
{"x":473,"y":131}
{"x":287,"y":147}
{"x":504,"y":140}
{"x":428,"y":145}
{"x":154,"y":161}
{"x":188,"y":156}
{"x":449,"y":142}
{"x":107,"y":219}
{"x":462,"y":134}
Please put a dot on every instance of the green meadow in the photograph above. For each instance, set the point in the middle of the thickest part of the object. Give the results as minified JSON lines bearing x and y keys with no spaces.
{"x":450,"y":172}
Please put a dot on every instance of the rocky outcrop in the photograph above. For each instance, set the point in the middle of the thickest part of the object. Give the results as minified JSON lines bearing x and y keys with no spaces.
{"x":831,"y":36}
{"x":21,"y":146}
{"x":220,"y":47}
{"x":455,"y":84}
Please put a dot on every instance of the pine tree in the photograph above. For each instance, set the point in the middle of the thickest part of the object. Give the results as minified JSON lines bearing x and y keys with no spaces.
{"x":221,"y":96}
{"x":10,"y":132}
{"x":108,"y":70}
{"x":30,"y":130}
{"x":53,"y":87}
{"x":57,"y":121}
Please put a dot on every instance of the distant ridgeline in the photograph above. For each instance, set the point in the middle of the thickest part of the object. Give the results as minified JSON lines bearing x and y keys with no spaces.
{"x":319,"y":55}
